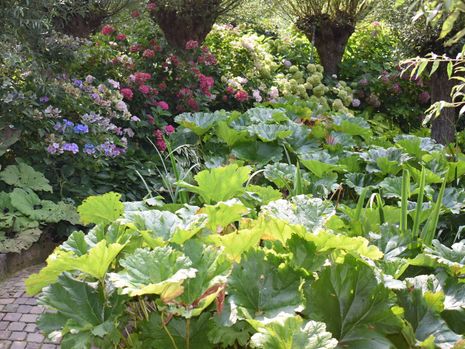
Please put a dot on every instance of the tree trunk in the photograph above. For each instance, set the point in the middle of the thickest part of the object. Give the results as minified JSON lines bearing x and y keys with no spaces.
{"x":330,"y":39}
{"x":444,"y":126}
{"x":180,"y":28}
{"x":81,"y":26}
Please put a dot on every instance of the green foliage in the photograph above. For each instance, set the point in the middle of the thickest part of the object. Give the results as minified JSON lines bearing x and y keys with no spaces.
{"x":247,"y":279}
{"x":101,"y":209}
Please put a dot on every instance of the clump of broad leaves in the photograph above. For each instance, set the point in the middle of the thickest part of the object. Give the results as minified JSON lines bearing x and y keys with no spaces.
{"x":246,"y":269}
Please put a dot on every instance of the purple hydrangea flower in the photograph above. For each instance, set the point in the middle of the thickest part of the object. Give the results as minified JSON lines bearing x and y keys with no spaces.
{"x":81,"y":129}
{"x":44,"y":99}
{"x":135,"y":118}
{"x":77,"y":83}
{"x":71,"y":147}
{"x":54,"y":148}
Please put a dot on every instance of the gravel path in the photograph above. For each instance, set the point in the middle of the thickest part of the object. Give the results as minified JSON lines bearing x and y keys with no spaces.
{"x":18,"y":314}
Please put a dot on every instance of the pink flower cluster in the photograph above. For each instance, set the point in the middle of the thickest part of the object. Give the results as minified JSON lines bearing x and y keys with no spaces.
{"x":107,"y":30}
{"x":192,"y":44}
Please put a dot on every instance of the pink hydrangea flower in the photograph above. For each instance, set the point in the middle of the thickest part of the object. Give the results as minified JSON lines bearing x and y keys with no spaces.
{"x":149,"y":53}
{"x":241,"y":96}
{"x":127,"y":93}
{"x":135,"y":14}
{"x":161,"y":144}
{"x":192,"y":44}
{"x":151,"y":6}
{"x":144,"y":89}
{"x":107,"y":30}
{"x":163,"y":105}
{"x":169,"y":129}
{"x":150,"y":119}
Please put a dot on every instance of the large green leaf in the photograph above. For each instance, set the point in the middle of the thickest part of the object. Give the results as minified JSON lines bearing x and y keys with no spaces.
{"x":354,"y":304}
{"x":81,"y":313}
{"x":102,"y":209}
{"x":224,"y":213}
{"x":321,"y":163}
{"x":200,"y":123}
{"x":21,"y":241}
{"x":290,"y":332}
{"x":95,"y":263}
{"x":269,"y":133}
{"x":259,"y":288}
{"x":423,"y":315}
{"x":452,"y":259}
{"x":210,"y":279}
{"x":281,"y":174}
{"x":24,"y":176}
{"x":258,"y":153}
{"x":417,"y":146}
{"x":229,"y":135}
{"x":28,"y":203}
{"x":354,"y":126}
{"x":219,"y":184}
{"x":312,"y":213}
{"x":161,"y":271}
{"x":384,"y":161}
{"x":178,"y":333}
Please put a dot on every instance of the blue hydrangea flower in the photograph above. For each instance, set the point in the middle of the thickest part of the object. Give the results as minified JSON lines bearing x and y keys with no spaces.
{"x":77,"y":83}
{"x":81,"y":129}
{"x":89,"y":149}
{"x":71,"y":147}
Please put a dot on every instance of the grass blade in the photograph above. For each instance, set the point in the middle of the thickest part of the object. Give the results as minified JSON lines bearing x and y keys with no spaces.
{"x":429,"y":230}
{"x":404,"y":201}
{"x":421,"y":194}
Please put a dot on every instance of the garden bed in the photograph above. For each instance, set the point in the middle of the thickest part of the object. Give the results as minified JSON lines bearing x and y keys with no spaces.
{"x":36,"y":254}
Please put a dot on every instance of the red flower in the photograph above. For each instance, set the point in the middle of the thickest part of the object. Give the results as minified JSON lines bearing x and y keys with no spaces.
{"x":192,"y":103}
{"x":229,"y":90}
{"x":169,"y":129}
{"x":107,"y":30}
{"x":120,"y":37}
{"x":151,"y":6}
{"x":192,"y":44}
{"x":163,"y":105}
{"x":135,"y":48}
{"x":135,"y":14}
{"x":149,"y":53}
{"x":241,"y":96}
{"x":144,"y":89}
{"x":140,"y":77}
{"x":127,"y":93}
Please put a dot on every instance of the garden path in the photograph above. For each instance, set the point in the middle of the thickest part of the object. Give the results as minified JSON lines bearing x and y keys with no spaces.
{"x":18,"y":314}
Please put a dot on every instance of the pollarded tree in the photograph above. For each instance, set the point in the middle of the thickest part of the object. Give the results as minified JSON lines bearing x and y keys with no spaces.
{"x":328,"y":24}
{"x":185,"y":20}
{"x":422,"y":37}
{"x":82,"y":18}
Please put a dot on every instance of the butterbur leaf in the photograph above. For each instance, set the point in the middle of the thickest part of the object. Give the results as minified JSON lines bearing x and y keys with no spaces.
{"x":269,"y":133}
{"x":154,"y":332}
{"x":28,"y":203}
{"x":224,"y":213}
{"x":265,"y":194}
{"x":312,"y":213}
{"x":103,"y":209}
{"x":229,"y":135}
{"x":384,"y":161}
{"x":236,"y":243}
{"x":354,"y":126}
{"x":199,"y":292}
{"x":161,"y":271}
{"x":82,"y":312}
{"x":259,"y":288}
{"x":219,"y":184}
{"x":21,"y":241}
{"x":228,"y":336}
{"x":95,"y":263}
{"x":451,"y":259}
{"x":320,"y":163}
{"x":200,"y":123}
{"x":356,"y":307}
{"x":24,"y":176}
{"x":424,"y":319}
{"x":281,"y":174}
{"x":291,"y":332}
{"x":258,"y":153}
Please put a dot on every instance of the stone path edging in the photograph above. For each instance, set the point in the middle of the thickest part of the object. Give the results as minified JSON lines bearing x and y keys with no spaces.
{"x":18,"y":315}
